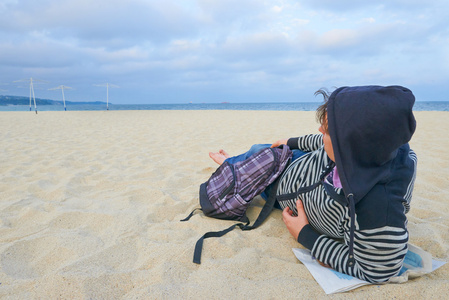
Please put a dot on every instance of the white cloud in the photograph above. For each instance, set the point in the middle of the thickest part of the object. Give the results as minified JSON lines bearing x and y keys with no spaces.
{"x":277,"y":9}
{"x":369,"y":20}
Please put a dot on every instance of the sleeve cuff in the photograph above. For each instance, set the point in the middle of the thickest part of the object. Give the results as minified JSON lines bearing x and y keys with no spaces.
{"x":292,"y":143}
{"x":308,"y":236}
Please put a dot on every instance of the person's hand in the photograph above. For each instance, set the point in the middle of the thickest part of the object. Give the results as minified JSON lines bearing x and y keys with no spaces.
{"x":279,"y":142}
{"x":323,"y":264}
{"x":295,"y":223}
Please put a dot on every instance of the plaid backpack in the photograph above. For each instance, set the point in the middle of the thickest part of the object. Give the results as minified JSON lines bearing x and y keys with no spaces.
{"x":231,"y":188}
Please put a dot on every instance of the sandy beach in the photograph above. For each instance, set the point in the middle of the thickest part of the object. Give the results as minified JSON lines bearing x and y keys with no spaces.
{"x":91,"y":202}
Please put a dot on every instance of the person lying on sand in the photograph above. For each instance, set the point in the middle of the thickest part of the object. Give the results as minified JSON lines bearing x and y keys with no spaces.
{"x":355,"y":220}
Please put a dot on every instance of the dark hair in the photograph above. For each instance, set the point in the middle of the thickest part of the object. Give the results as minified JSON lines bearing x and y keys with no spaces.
{"x":321,"y":111}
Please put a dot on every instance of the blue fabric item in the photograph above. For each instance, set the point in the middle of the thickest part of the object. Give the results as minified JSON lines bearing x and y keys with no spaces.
{"x":256,"y":148}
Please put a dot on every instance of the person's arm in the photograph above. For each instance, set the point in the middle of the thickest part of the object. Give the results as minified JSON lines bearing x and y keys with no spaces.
{"x":306,"y":143}
{"x":379,"y":252}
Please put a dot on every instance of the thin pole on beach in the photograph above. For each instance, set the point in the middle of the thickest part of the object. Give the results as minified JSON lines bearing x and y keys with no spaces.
{"x":31,"y":84}
{"x":107,"y":96}
{"x":32,"y":81}
{"x":107,"y":85}
{"x":62,"y":87}
{"x":63,"y":98}
{"x":34,"y":98}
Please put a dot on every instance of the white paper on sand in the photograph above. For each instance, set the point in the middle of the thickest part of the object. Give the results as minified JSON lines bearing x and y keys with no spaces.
{"x":417,"y":263}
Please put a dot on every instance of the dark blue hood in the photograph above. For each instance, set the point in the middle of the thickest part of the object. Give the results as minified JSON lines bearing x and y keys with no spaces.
{"x":367,"y":125}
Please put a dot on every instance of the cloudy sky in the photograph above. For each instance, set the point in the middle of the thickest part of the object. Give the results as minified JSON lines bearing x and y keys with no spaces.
{"x":177,"y":51}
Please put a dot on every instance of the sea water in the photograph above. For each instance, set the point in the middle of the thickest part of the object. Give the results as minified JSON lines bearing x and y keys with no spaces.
{"x":285,"y":106}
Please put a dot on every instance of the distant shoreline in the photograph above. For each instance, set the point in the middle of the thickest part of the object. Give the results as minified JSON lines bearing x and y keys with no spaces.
{"x":21,"y":100}
{"x":280,"y":106}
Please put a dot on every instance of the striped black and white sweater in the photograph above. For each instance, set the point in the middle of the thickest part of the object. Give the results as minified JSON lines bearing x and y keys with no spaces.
{"x":380,"y":235}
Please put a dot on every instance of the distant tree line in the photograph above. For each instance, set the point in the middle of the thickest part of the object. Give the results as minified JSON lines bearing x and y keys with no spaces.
{"x":20,"y":100}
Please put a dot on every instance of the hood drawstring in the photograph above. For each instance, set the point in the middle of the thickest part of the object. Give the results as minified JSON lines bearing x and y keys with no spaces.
{"x":350,"y":202}
{"x":351,"y":260}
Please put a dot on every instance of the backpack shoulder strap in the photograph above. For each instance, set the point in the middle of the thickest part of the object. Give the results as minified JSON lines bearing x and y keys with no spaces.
{"x":199,"y":243}
{"x":267,"y":208}
{"x":264,"y":213}
{"x":191,"y":214}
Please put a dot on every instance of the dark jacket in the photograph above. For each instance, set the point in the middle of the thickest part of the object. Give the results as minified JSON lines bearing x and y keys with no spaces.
{"x":361,"y":229}
{"x":370,"y":127}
